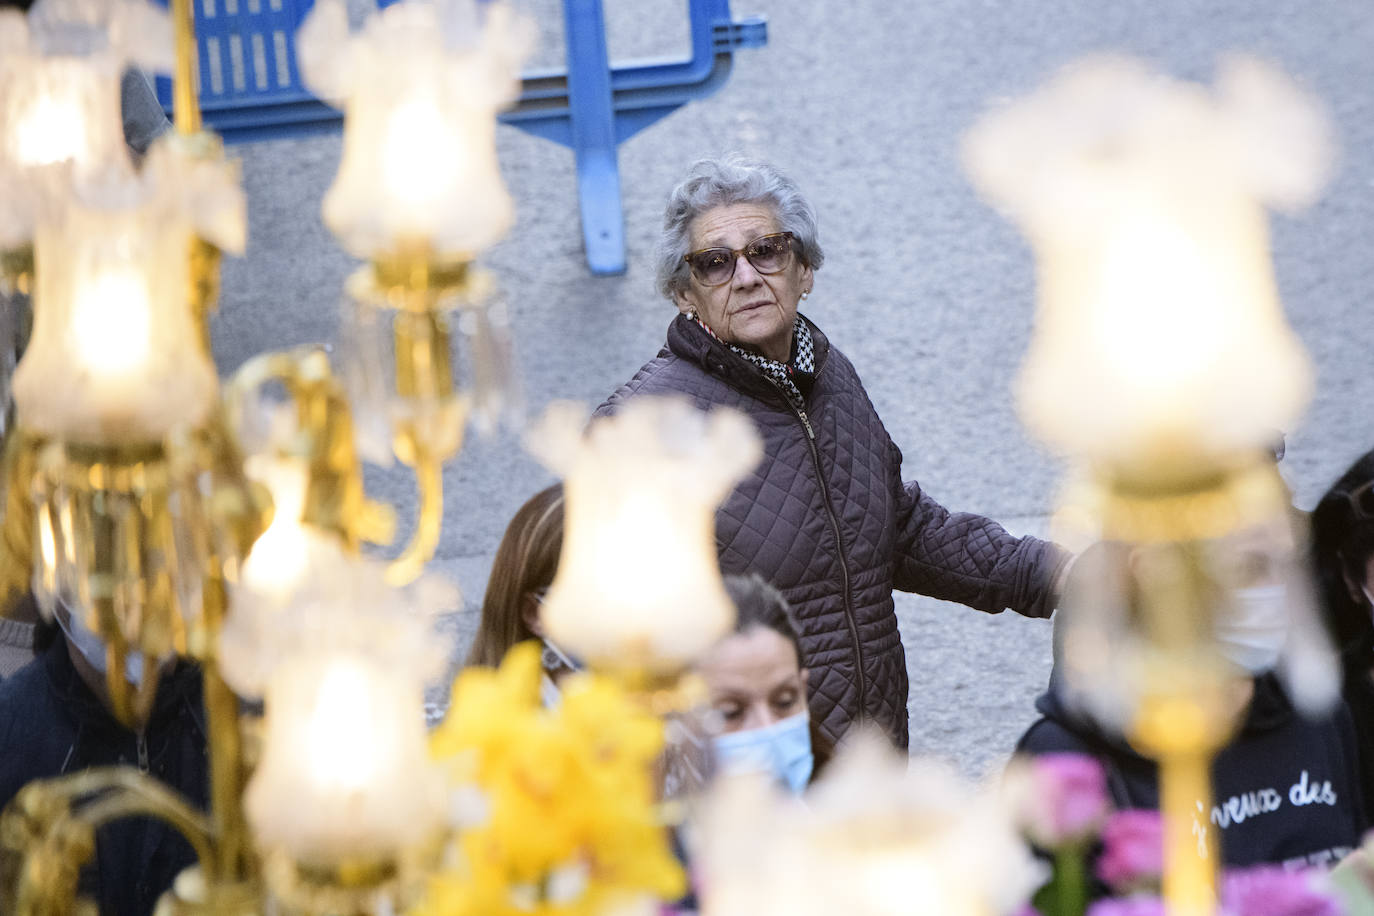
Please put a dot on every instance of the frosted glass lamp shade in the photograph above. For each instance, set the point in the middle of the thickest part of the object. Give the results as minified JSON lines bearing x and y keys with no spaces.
{"x":113,"y":358}
{"x":60,"y":121}
{"x":1159,"y":331}
{"x":345,"y":774}
{"x":420,"y":85}
{"x":638,"y":584}
{"x":419,"y":168}
{"x":1160,"y":343}
{"x":56,"y":110}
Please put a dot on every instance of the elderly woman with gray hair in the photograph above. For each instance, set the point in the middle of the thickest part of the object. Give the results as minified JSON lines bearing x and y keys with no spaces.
{"x":826,"y":517}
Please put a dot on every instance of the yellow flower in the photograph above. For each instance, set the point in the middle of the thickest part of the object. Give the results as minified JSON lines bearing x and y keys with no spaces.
{"x":568,"y":826}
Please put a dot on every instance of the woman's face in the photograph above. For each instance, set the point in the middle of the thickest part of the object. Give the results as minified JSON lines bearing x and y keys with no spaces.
{"x":754,"y":679}
{"x":750,"y":309}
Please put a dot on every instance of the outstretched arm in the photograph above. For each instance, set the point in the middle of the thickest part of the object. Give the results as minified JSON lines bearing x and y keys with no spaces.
{"x":958,"y":556}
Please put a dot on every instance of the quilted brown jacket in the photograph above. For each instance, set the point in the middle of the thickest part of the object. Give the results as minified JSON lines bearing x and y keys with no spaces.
{"x":827,"y":519}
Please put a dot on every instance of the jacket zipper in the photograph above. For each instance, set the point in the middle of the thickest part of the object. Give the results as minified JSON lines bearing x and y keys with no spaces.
{"x":839,"y":544}
{"x":142,"y":753}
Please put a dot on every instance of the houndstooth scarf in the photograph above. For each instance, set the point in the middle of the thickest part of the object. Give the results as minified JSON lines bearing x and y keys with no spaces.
{"x":802,"y":364}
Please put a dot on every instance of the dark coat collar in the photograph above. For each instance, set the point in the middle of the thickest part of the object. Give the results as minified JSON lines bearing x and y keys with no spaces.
{"x":179,"y":687}
{"x":688,"y":340}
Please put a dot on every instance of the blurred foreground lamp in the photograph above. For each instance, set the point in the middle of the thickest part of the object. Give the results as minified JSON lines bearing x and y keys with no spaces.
{"x":419,"y":195}
{"x":1160,"y":348}
{"x":878,"y":835}
{"x":1161,"y":361}
{"x":115,"y":381}
{"x":345,"y":801}
{"x":638,"y":588}
{"x":60,"y":68}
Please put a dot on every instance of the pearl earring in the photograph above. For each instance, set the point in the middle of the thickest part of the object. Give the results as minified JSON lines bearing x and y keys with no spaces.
{"x":806,"y":293}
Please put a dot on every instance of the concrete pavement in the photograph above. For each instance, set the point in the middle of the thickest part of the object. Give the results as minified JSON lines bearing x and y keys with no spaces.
{"x":926,"y":289}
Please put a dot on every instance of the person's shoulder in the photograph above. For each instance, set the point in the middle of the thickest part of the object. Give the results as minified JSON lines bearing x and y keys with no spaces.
{"x":1049,"y":736}
{"x":1059,"y":730}
{"x":32,"y":729}
{"x":835,"y":372}
{"x":667,"y":374}
{"x":651,"y":378}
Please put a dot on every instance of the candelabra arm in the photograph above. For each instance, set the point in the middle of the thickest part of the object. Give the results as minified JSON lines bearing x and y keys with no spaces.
{"x":48,"y":832}
{"x":1186,"y":714}
{"x":16,"y":531}
{"x":232,"y":860}
{"x":335,"y":500}
{"x":186,"y":107}
{"x":429,"y":479}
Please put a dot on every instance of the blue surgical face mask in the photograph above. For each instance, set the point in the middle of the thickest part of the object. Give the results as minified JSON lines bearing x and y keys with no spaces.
{"x":783,"y":750}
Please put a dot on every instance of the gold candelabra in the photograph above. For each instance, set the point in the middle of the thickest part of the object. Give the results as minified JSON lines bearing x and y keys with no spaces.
{"x":143,"y":525}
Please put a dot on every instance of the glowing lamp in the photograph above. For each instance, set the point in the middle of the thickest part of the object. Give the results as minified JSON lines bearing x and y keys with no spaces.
{"x":1162,"y":362}
{"x":113,"y":358}
{"x":1160,"y":345}
{"x":638,"y":584}
{"x":420,"y":86}
{"x":60,"y":122}
{"x":279,"y":558}
{"x":876,"y":836}
{"x":61,"y":110}
{"x":341,"y":660}
{"x":345,"y":774}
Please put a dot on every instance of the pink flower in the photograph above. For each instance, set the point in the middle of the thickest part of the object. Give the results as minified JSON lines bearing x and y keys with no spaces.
{"x":1068,"y":799}
{"x":1132,"y":850}
{"x":1127,"y":906}
{"x":1271,"y":891}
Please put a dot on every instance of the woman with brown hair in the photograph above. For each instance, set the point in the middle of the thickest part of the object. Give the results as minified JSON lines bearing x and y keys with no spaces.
{"x":520,"y":575}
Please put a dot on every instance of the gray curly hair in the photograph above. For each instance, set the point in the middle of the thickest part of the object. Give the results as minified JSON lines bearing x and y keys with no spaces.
{"x":734,"y":179}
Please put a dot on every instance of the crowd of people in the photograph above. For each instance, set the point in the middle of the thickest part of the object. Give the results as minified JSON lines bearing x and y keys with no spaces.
{"x":813,"y":543}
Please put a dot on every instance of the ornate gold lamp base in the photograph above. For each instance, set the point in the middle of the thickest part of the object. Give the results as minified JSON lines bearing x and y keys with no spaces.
{"x":361,"y":887}
{"x":117,"y":542}
{"x":190,"y":895}
{"x":1186,"y":709}
{"x":1183,"y":733}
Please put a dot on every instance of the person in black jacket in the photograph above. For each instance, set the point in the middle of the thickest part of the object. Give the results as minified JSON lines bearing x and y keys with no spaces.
{"x":1286,"y":788}
{"x":53,"y":721}
{"x":1343,"y":558}
{"x":826,"y":517}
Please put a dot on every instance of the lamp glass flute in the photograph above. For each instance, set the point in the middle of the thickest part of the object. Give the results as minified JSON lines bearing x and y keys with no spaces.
{"x":333,"y":652}
{"x":1161,"y":364}
{"x":109,"y":384}
{"x":638,"y":593}
{"x":638,"y":588}
{"x":418,"y":195}
{"x":345,"y":804}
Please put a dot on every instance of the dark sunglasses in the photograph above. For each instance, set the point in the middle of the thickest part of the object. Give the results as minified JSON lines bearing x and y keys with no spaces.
{"x":768,"y":254}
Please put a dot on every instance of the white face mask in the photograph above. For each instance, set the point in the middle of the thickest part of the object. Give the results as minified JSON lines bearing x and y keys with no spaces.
{"x":1252,"y":632}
